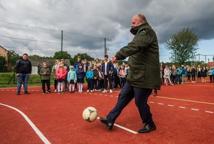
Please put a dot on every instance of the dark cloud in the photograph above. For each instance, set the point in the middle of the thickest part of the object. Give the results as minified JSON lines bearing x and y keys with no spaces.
{"x":86,"y":22}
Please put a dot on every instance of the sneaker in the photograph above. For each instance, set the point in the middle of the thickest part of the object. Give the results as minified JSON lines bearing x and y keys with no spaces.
{"x":88,"y":91}
{"x":104,"y":91}
{"x":110,"y":91}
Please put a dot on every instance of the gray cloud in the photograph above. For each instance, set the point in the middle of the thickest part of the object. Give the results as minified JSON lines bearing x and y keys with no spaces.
{"x":37,"y":24}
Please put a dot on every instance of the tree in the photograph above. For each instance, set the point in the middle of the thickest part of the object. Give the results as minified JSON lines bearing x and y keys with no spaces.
{"x":2,"y":63}
{"x":182,"y":45}
{"x":83,"y":56}
{"x":13,"y":57}
{"x":62,"y":55}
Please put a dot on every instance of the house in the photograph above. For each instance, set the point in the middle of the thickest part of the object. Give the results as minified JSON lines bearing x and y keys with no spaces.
{"x":4,"y":53}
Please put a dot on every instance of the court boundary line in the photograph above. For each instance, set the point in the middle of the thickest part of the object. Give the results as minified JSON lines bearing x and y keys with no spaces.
{"x":123,"y":128}
{"x":185,"y":100}
{"x":32,"y":125}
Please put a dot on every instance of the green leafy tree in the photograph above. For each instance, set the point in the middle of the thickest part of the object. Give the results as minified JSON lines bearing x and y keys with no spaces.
{"x":83,"y":56}
{"x":182,"y":45}
{"x":62,"y":55}
{"x":2,"y":63}
{"x":13,"y":57}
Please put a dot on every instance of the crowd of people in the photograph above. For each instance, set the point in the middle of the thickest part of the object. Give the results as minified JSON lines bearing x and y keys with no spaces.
{"x":172,"y":75}
{"x":100,"y":75}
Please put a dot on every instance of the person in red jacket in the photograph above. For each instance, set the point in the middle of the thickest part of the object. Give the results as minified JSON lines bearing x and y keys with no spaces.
{"x":61,"y":73}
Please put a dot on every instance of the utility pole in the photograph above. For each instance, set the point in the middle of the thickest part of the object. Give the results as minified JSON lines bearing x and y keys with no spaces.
{"x":105,"y":48}
{"x":61,"y":41}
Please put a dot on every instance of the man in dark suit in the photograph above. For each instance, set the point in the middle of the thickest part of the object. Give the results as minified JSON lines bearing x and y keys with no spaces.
{"x":107,"y":69}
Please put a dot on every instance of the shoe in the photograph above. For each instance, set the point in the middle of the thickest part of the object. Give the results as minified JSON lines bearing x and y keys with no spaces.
{"x":104,"y":91}
{"x":18,"y":93}
{"x":104,"y":120}
{"x":147,"y":128}
{"x":110,"y":91}
{"x":26,"y":92}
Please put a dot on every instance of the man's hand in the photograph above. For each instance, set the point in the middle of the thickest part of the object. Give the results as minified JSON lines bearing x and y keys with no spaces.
{"x":114,"y":59}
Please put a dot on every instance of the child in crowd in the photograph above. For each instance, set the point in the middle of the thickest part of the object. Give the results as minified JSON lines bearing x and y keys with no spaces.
{"x":96,"y":77}
{"x":61,"y":77}
{"x":90,"y":79}
{"x":167,"y":74}
{"x":80,"y":78}
{"x":71,"y":79}
{"x":45,"y":74}
{"x":55,"y":67}
{"x":122,"y":75}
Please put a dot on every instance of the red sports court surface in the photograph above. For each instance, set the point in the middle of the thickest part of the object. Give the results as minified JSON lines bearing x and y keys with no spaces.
{"x":184,"y":114}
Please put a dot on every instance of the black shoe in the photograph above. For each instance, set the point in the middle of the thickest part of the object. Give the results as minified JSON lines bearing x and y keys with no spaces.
{"x":147,"y":128}
{"x":104,"y":120}
{"x":26,"y":92}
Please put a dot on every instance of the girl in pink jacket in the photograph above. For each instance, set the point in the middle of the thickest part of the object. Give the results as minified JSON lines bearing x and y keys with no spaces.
{"x":61,"y":73}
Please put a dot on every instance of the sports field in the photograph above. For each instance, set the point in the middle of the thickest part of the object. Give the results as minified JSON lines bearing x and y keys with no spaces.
{"x":184,"y":114}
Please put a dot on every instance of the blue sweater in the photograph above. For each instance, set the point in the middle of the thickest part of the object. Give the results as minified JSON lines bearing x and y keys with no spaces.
{"x":90,"y":74}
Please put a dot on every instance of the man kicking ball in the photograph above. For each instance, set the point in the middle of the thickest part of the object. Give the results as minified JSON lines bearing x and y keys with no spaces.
{"x":143,"y":76}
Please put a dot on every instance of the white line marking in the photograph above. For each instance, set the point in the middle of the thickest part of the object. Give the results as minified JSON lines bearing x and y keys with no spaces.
{"x":186,"y":100}
{"x":209,"y":112}
{"x":182,"y":107}
{"x":194,"y":109}
{"x":33,"y":126}
{"x":123,"y":128}
{"x":170,"y":105}
{"x":126,"y":129}
{"x":160,"y":103}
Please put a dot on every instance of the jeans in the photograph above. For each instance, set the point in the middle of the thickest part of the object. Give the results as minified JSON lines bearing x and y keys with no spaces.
{"x":22,"y":79}
{"x":140,"y":95}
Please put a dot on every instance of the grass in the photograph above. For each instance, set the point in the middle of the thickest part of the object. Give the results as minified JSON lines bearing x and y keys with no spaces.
{"x":9,"y":80}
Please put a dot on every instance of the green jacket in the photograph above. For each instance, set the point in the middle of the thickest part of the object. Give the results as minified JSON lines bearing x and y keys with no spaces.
{"x":143,"y":53}
{"x":45,"y":73}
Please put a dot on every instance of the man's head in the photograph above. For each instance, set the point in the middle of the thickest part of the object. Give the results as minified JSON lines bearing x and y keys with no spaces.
{"x":106,"y":57}
{"x":25,"y":56}
{"x":137,"y":20}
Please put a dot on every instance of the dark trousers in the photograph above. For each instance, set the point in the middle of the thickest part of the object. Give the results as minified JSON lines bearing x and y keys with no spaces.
{"x":193,"y":77}
{"x":107,"y":82}
{"x":90,"y":84}
{"x":100,"y":84}
{"x":55,"y":84}
{"x":122,"y":81}
{"x":47,"y":83}
{"x":140,"y":95}
{"x":96,"y":84}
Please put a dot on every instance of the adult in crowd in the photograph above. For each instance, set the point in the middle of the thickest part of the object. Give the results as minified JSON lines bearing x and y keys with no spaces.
{"x":23,"y":70}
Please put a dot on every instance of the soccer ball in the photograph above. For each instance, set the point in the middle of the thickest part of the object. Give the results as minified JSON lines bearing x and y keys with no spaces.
{"x":89,"y":114}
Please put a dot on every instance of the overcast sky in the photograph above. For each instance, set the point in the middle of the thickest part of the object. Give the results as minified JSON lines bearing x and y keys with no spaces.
{"x":34,"y":26}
